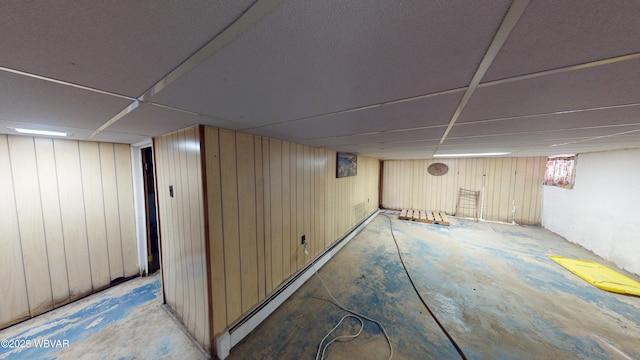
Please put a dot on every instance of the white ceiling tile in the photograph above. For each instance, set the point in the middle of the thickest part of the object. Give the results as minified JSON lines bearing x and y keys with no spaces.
{"x":150,"y":120}
{"x":122,"y":47}
{"x":315,"y":57}
{"x":595,"y":118}
{"x":29,"y":100}
{"x":432,"y":135}
{"x":424,"y":112}
{"x":116,"y":137}
{"x":553,"y":34}
{"x":611,"y":84}
{"x":539,"y":136}
{"x":317,"y":72}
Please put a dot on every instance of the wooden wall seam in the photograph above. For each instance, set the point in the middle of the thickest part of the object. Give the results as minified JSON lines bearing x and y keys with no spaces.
{"x":19,"y":232}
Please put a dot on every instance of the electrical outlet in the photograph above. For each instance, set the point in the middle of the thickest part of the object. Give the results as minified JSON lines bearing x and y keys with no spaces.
{"x":303,"y":240}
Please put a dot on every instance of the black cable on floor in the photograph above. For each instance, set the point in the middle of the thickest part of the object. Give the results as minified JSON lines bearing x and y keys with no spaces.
{"x":453,"y":342}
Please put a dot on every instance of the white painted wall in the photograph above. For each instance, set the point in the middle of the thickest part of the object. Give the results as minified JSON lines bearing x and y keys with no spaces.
{"x":602,"y":211}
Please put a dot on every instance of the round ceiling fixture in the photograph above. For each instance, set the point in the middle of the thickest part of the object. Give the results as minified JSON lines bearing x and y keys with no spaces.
{"x":438,"y":169}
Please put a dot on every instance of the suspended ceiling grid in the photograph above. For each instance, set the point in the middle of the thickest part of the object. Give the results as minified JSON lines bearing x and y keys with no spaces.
{"x":378,"y":78}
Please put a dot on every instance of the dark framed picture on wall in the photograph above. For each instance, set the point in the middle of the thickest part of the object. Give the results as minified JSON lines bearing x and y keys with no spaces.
{"x":346,"y":165}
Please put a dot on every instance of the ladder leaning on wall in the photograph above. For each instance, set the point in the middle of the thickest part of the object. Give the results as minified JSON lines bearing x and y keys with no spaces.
{"x":467,"y":200}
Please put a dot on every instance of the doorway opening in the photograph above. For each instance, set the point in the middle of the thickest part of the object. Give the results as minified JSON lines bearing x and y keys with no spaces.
{"x":153,"y":249}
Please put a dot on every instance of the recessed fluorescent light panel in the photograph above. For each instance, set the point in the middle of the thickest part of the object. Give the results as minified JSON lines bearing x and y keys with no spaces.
{"x":472,"y":155}
{"x":41,"y":132}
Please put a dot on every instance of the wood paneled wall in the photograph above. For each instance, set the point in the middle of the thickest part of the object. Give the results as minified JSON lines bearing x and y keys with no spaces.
{"x":231,"y":232}
{"x":262,"y":196}
{"x":66,"y":222}
{"x":506,"y":181}
{"x":182,"y":230}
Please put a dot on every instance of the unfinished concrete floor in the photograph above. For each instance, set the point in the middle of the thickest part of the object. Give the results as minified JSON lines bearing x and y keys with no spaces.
{"x":492,"y":286}
{"x":126,"y":321}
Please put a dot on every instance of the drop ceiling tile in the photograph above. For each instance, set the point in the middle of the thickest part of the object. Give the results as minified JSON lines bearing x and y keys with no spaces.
{"x":431,"y":135}
{"x":545,"y":135}
{"x":150,"y":120}
{"x":29,"y":100}
{"x":316,"y":57}
{"x":604,"y":85}
{"x":423,"y":112}
{"x":116,"y":137}
{"x":122,"y":47}
{"x":595,"y":118}
{"x":553,"y":34}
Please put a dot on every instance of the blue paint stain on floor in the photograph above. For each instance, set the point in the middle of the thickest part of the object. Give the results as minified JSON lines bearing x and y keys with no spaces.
{"x":85,"y":322}
{"x":458,"y":270}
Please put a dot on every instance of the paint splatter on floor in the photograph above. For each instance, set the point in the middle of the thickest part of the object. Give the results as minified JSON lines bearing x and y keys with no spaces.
{"x":491,"y":285}
{"x":123,"y":322}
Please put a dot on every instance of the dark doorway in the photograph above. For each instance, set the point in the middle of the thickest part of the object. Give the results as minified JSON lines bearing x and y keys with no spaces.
{"x":151,"y":212}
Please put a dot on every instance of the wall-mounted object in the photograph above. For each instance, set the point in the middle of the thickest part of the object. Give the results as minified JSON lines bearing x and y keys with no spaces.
{"x":346,"y":165}
{"x":438,"y":169}
{"x":560,"y":171}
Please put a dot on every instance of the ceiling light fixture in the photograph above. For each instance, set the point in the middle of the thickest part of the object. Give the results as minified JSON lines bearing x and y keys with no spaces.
{"x":472,"y":155}
{"x":41,"y":132}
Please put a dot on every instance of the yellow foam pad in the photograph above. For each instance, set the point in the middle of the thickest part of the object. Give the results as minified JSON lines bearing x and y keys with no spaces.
{"x":599,"y":275}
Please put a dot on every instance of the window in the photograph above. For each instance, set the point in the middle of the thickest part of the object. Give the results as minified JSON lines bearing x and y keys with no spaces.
{"x":560,"y":171}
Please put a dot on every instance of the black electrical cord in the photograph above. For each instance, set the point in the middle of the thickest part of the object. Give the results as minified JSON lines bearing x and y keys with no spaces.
{"x":453,"y":342}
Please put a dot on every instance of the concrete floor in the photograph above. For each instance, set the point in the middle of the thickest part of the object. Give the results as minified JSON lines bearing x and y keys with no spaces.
{"x":492,"y":286}
{"x":126,"y":321}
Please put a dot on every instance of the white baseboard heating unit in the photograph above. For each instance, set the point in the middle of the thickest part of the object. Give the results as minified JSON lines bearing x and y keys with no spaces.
{"x":235,"y":333}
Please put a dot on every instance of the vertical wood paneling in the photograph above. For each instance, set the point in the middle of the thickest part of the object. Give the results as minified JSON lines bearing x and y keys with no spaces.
{"x":185,"y":274}
{"x":286,"y":210}
{"x":94,"y":212}
{"x":328,"y":199}
{"x":166,"y":216}
{"x":293,"y":236}
{"x":216,"y":236}
{"x":178,"y":299}
{"x":30,"y":221}
{"x":197,"y":232}
{"x":247,"y":206}
{"x":539,"y":170}
{"x":111,"y":210}
{"x":262,"y":195}
{"x":229,"y":182}
{"x":307,"y":201}
{"x":187,"y":243}
{"x":124,"y":179}
{"x":266,"y":161}
{"x":300,"y":197}
{"x":56,"y":216}
{"x":320,"y":164}
{"x":52,"y":221}
{"x":406,"y":184}
{"x":275,"y":176}
{"x":257,"y":146}
{"x":73,"y":219}
{"x":520,"y":188}
{"x":13,"y":285}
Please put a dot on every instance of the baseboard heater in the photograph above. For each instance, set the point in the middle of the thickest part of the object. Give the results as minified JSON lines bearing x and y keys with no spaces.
{"x":241,"y":328}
